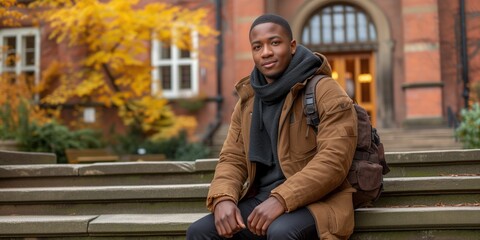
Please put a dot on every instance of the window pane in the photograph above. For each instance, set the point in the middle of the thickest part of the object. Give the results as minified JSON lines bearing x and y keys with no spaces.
{"x":362,"y":27}
{"x":166,"y":77}
{"x":338,"y":28}
{"x":350,"y":18}
{"x":165,"y":52}
{"x":184,"y":53}
{"x":185,"y":77}
{"x":315,"y":27}
{"x":305,"y":34}
{"x":10,"y":54}
{"x":372,"y":31}
{"x":326,"y":28}
{"x":28,"y":50}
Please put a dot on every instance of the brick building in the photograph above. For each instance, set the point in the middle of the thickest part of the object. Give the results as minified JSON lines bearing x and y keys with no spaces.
{"x":403,"y":59}
{"x":404,"y":56}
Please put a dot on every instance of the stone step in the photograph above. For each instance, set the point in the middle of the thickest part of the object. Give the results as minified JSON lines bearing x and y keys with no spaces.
{"x":179,"y":198}
{"x":184,"y":198}
{"x":107,"y":174}
{"x":434,"y":163}
{"x":371,"y":223}
{"x":402,"y":164}
{"x":430,"y":191}
{"x":394,"y":140}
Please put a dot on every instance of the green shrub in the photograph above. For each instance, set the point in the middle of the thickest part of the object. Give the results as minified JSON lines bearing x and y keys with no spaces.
{"x":175,"y":149}
{"x":469,"y":130}
{"x":54,"y":137}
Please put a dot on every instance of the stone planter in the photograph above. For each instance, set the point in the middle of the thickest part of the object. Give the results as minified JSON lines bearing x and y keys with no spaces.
{"x":9,"y":145}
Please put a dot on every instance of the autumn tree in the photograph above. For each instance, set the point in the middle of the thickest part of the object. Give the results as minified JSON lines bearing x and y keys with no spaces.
{"x":116,"y":35}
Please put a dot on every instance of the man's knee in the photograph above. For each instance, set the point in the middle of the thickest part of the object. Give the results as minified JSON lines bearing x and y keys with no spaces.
{"x":278,"y":230}
{"x":203,"y":228}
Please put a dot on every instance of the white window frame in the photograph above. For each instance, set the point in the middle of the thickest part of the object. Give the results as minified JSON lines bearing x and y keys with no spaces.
{"x":20,"y":66}
{"x":174,"y":62}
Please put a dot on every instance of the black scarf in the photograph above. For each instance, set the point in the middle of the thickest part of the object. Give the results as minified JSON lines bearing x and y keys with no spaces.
{"x":268,"y":102}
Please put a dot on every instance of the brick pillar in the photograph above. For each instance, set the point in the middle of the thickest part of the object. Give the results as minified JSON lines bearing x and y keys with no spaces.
{"x":423,"y":83}
{"x":238,"y":62}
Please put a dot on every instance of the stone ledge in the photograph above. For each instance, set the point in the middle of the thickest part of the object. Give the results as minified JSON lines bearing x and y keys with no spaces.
{"x":171,"y":192}
{"x":17,"y":157}
{"x":110,"y":193}
{"x":434,"y":156}
{"x":366,"y":220}
{"x":206,"y":164}
{"x":44,"y":225}
{"x":40,"y":170}
{"x":413,"y":185}
{"x":470,"y":156}
{"x":99,"y":169}
{"x":371,"y":219}
{"x":168,"y":224}
{"x":136,"y":168}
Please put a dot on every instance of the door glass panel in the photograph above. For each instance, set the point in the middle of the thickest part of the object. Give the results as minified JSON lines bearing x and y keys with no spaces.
{"x":365,"y":88}
{"x":350,"y":77}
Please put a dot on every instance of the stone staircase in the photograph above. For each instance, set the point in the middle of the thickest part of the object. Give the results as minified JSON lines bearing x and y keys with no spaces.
{"x":428,"y":195}
{"x":394,"y":140}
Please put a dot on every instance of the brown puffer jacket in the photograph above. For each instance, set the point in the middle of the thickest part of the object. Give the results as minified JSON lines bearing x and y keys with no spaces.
{"x":315,"y":165}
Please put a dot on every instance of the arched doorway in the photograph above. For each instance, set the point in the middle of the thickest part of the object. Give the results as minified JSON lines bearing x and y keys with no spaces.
{"x":355,"y":37}
{"x":348,"y":38}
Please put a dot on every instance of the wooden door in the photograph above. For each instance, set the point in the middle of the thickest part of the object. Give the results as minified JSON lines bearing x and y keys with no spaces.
{"x":356,"y":74}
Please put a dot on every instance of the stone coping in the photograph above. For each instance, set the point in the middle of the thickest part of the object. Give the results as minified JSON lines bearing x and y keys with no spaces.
{"x":106,"y":193}
{"x":368,"y":219}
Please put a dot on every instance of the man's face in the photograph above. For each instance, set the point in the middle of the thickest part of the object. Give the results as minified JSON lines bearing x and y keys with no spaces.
{"x":272,"y":49}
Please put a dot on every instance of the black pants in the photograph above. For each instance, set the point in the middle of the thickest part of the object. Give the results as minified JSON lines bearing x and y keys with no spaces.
{"x":297,"y":225}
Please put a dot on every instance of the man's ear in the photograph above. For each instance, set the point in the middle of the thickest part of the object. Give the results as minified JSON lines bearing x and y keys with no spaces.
{"x":293,"y":46}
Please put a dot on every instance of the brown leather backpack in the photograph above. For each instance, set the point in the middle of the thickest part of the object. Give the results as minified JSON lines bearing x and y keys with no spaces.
{"x":368,"y":165}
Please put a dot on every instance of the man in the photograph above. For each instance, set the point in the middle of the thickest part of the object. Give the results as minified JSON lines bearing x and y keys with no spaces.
{"x":276,"y":177}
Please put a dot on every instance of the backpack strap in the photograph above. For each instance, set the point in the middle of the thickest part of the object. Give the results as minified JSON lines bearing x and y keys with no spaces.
{"x":309,"y":103}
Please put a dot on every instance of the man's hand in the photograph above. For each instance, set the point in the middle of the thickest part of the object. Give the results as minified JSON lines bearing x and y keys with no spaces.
{"x":263,"y":215}
{"x":228,"y":219}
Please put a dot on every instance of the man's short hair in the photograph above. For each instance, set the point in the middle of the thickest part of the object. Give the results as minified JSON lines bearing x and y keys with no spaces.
{"x":272,"y":18}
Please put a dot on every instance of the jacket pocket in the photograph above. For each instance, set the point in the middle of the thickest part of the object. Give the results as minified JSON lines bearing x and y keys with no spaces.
{"x":302,"y":139}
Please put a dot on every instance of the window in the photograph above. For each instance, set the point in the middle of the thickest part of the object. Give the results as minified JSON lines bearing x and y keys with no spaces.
{"x":175,"y":70}
{"x":20,"y":53}
{"x":339,"y":25}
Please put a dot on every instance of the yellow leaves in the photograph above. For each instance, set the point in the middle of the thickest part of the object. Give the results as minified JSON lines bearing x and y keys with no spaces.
{"x":116,"y":36}
{"x":10,"y":13}
{"x":17,"y":93}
